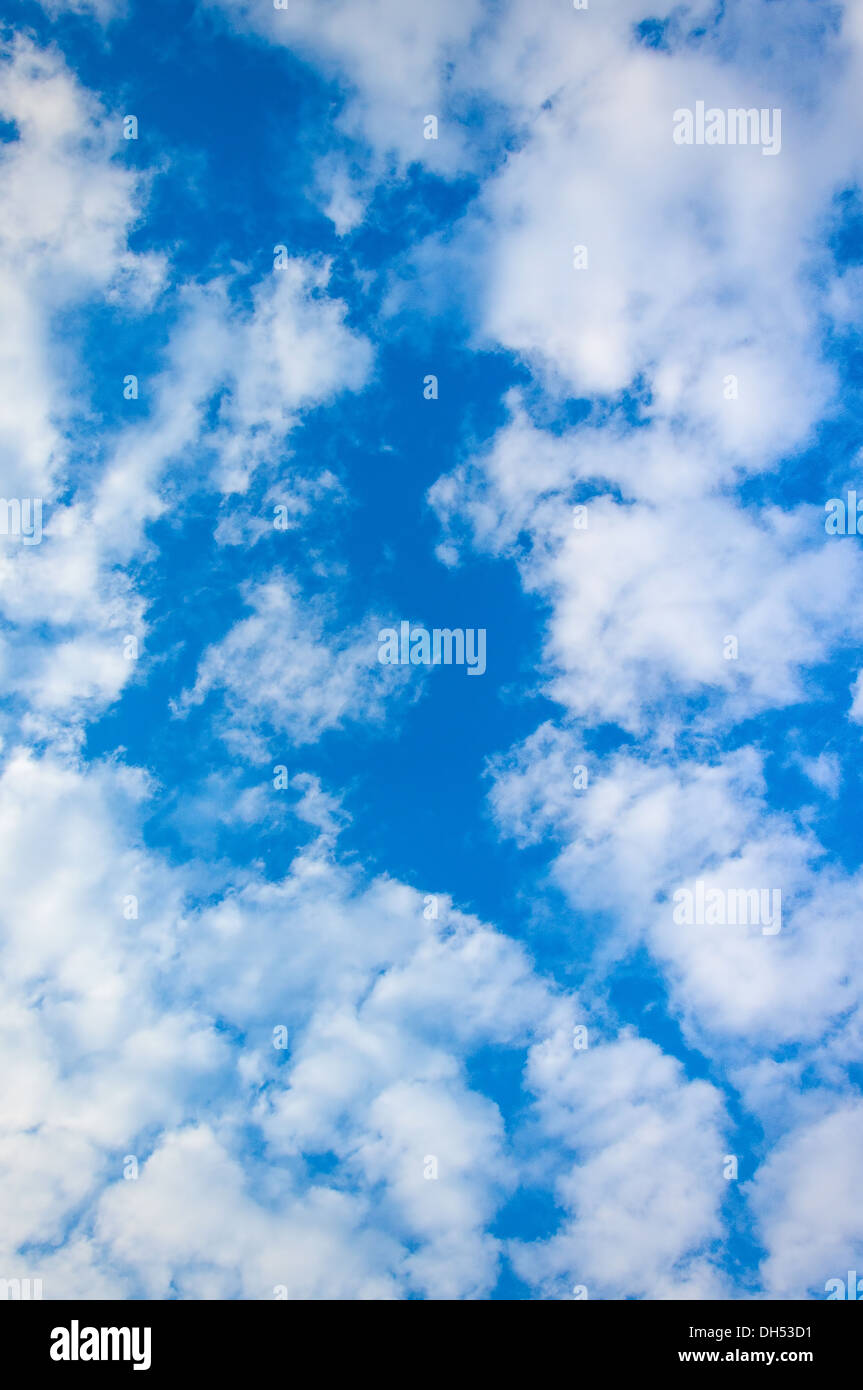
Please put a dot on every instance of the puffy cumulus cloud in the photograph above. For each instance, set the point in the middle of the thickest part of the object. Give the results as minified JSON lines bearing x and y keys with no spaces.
{"x":521,"y":480}
{"x":686,"y":248}
{"x":398,"y":61}
{"x":283,"y":669}
{"x":638,"y":830}
{"x":296,"y":351}
{"x":670,"y":565}
{"x":793,"y":976}
{"x":263,"y":366}
{"x":807,"y":1202}
{"x":643,"y":596}
{"x":381,"y":1007}
{"x":642,"y":831}
{"x":400,"y":64}
{"x":191,"y":1228}
{"x":73,"y":586}
{"x":642,"y":819}
{"x":706,"y":599}
{"x":99,"y":1055}
{"x":447,"y":1202}
{"x":636,"y":835}
{"x":699,"y":259}
{"x":644,"y":1188}
{"x":693,"y":330}
{"x":592,"y":168}
{"x":68,"y":208}
{"x":369,"y":987}
{"x":377,"y":1166}
{"x":234,"y":383}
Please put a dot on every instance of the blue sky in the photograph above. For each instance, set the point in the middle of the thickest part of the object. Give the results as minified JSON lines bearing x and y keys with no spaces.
{"x":432,"y":906}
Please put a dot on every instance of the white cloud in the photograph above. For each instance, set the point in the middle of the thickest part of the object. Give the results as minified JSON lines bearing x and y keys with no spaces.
{"x":640,"y":831}
{"x":99,"y":1054}
{"x":190,"y":1227}
{"x":824,"y":772}
{"x":643,"y":1196}
{"x":152,"y":1037}
{"x":68,"y":207}
{"x":644,"y":597}
{"x":280,"y":669}
{"x":856,"y":711}
{"x":808,"y":1205}
{"x":394,"y":57}
{"x":68,"y":210}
